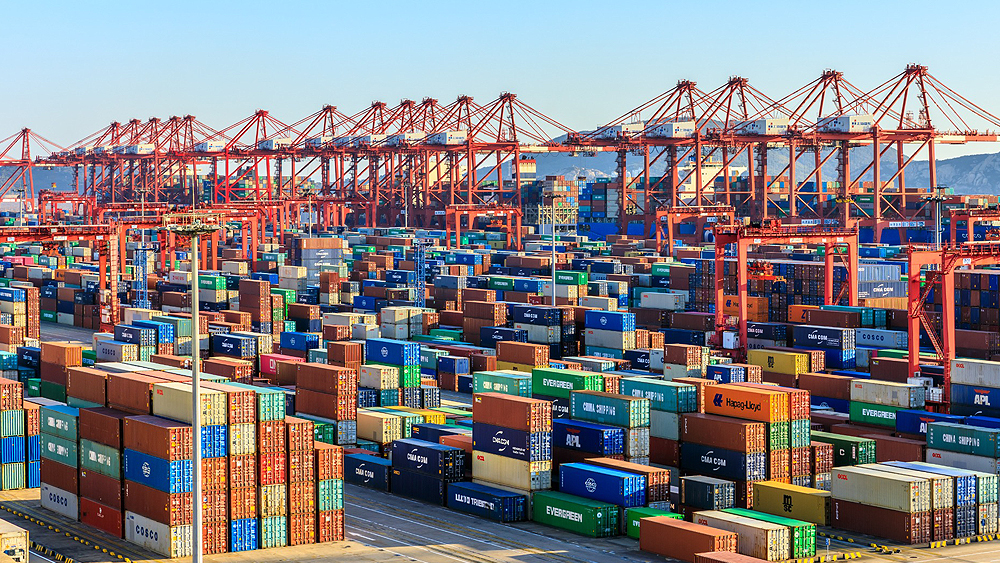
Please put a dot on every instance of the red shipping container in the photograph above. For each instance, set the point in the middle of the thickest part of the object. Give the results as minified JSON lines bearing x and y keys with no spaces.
{"x":724,"y":432}
{"x":88,"y":384}
{"x":11,"y":394}
{"x":301,"y":528}
{"x":330,"y":526}
{"x":243,"y":502}
{"x":131,"y":392}
{"x":892,"y":448}
{"x":215,"y":474}
{"x":158,"y":437}
{"x":271,"y":436}
{"x":298,"y":433}
{"x":171,"y":509}
{"x":700,"y":385}
{"x":242,"y":471}
{"x":101,"y":488}
{"x":329,"y":461}
{"x":32,"y":419}
{"x":821,"y":457}
{"x":102,"y":425}
{"x":904,"y":527}
{"x":677,"y":539}
{"x":342,"y":352}
{"x":269,"y":362}
{"x":301,"y":466}
{"x":302,"y":498}
{"x":801,"y":462}
{"x":664,"y":452}
{"x":60,"y":476}
{"x":523,"y":353}
{"x":779,"y":465}
{"x":826,"y":385}
{"x":215,"y":506}
{"x":271,"y":468}
{"x":216,"y":537}
{"x":329,"y":379}
{"x":337,"y":407}
{"x":104,"y":518}
{"x":890,"y":369}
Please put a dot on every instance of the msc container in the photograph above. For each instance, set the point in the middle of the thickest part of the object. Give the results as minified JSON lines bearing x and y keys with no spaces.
{"x":749,"y":403}
{"x":790,"y":363}
{"x":792,"y":501}
{"x":724,"y":432}
{"x":663,"y":395}
{"x":609,"y":320}
{"x":959,"y":438}
{"x":982,"y":373}
{"x":677,"y":539}
{"x":487,"y":502}
{"x":726,"y":464}
{"x":518,"y":444}
{"x":707,"y":493}
{"x":763,"y":540}
{"x":904,"y":527}
{"x":803,"y":534}
{"x":169,"y":541}
{"x":878,"y":488}
{"x":887,"y":393}
{"x":510,"y":472}
{"x":510,"y":411}
{"x":443,"y":462}
{"x":559,"y":383}
{"x":608,"y":408}
{"x":633,"y":517}
{"x":603,"y":484}
{"x":60,"y":501}
{"x":578,"y":515}
{"x":588,"y":437}
{"x":395,"y":352}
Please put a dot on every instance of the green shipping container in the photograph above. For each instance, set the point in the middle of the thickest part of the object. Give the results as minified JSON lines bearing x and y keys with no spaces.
{"x":778,"y":435}
{"x":661,"y":269}
{"x":330,"y":495}
{"x":803,"y":534}
{"x":182,"y":327}
{"x":501,"y":283}
{"x":493,"y":382}
{"x":80,"y":403}
{"x":58,"y":423}
{"x":11,"y":423}
{"x":215,"y":283}
{"x":59,"y":449}
{"x":33,"y":387}
{"x":848,"y":450}
{"x":559,"y":383}
{"x":13,"y":476}
{"x":875,"y":415}
{"x":49,"y":316}
{"x":608,"y":408}
{"x":972,"y":440}
{"x":566,"y":277}
{"x":578,"y":515}
{"x":801,"y":433}
{"x":662,"y":395}
{"x":100,"y":458}
{"x":633,"y":515}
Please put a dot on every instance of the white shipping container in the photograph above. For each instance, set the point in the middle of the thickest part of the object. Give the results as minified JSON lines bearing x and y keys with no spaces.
{"x":655,"y":359}
{"x":768,"y":126}
{"x":271,"y":500}
{"x":448,"y":138}
{"x":369,"y":140}
{"x":637,"y":443}
{"x":964,"y":461}
{"x":173,"y":400}
{"x":859,"y":123}
{"x":145,"y":148}
{"x":361,"y":331}
{"x":602,"y":303}
{"x":60,"y":501}
{"x":14,"y":542}
{"x":624,"y":340}
{"x":159,"y":538}
{"x":567,"y":291}
{"x":178,"y":277}
{"x":878,"y":488}
{"x":888,"y":393}
{"x":664,"y":424}
{"x":242,"y":439}
{"x":942,"y":486}
{"x":65,"y":319}
{"x":988,"y":523}
{"x":529,"y":475}
{"x":210,"y":146}
{"x":670,"y":371}
{"x":291,"y":272}
{"x":881,"y":338}
{"x":378,"y":377}
{"x":394,"y":331}
{"x":966,"y":371}
{"x":114,"y":351}
{"x":317,"y":142}
{"x":674,"y":130}
{"x":235,"y":267}
{"x":625,"y":130}
{"x":763,"y":540}
{"x":405,"y":138}
{"x":274,"y":144}
{"x":668,"y":301}
{"x":379,"y":427}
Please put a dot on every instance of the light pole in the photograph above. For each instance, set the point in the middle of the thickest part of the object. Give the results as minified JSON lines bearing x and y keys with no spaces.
{"x":309,"y":192}
{"x":194,"y":225}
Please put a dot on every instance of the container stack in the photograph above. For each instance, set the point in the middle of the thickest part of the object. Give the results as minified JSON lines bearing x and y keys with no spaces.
{"x":328,"y":395}
{"x":60,"y":459}
{"x":883,"y":504}
{"x":423,"y":470}
{"x":608,"y":334}
{"x":555,"y":385}
{"x":56,"y":359}
{"x":974,"y":493}
{"x":974,"y":387}
{"x":630,"y":413}
{"x":677,"y":539}
{"x":405,"y":356}
{"x":14,"y":445}
{"x":668,"y":400}
{"x":512,"y":442}
{"x":757,"y":538}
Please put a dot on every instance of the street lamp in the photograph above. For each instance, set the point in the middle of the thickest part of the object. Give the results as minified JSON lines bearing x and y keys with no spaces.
{"x":194,"y":225}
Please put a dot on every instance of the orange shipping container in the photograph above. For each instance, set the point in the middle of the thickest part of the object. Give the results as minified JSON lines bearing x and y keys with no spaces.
{"x":756,"y":308}
{"x":743,"y":402}
{"x":797,"y":313}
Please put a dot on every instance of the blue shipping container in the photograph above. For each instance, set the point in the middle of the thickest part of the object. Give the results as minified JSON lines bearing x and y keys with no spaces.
{"x":726,"y":373}
{"x":602,"y":484}
{"x":158,"y":473}
{"x":487,"y":502}
{"x":609,"y":320}
{"x":234,"y":345}
{"x":966,"y":482}
{"x":433,"y":432}
{"x":975,"y":395}
{"x":914,"y":421}
{"x":442,"y":462}
{"x":299,"y":341}
{"x":395,"y":352}
{"x":508,"y":442}
{"x":368,"y":471}
{"x":418,"y":486}
{"x":588,"y":437}
{"x":243,"y":535}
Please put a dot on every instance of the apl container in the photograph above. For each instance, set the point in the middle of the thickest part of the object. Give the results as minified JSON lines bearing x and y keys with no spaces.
{"x":588,"y":437}
{"x":763,"y":540}
{"x":487,"y":502}
{"x":578,"y":515}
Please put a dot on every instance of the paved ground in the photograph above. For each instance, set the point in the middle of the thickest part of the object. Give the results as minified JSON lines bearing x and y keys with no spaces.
{"x":52,"y":332}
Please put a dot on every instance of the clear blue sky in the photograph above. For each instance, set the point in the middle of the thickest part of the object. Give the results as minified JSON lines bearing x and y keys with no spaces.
{"x":73,"y":67}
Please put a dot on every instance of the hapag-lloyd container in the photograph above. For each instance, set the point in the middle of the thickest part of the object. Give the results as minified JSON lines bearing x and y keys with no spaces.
{"x":748,"y":403}
{"x":887,"y":393}
{"x":510,"y":472}
{"x":487,"y":502}
{"x":905,"y":527}
{"x":663,"y":395}
{"x":169,"y":541}
{"x":878,"y":488}
{"x":579,"y":515}
{"x":443,"y":462}
{"x":608,"y":408}
{"x":588,"y":437}
{"x":677,"y":539}
{"x":942,"y":487}
{"x":559,"y":383}
{"x":967,"y":371}
{"x":510,"y":411}
{"x":518,"y":444}
{"x":963,"y":439}
{"x":728,"y":433}
{"x":724,"y":464}
{"x":603,"y":484}
{"x":633,"y":517}
{"x":763,"y":540}
{"x":803,"y":534}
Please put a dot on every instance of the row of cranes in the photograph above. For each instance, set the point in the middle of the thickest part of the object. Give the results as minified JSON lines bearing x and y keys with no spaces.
{"x":405,"y":165}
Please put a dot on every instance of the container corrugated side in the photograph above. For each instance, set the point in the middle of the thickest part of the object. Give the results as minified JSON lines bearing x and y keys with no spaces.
{"x":159,"y":538}
{"x":681,"y":540}
{"x":964,"y":439}
{"x":524,"y":475}
{"x":576,"y":514}
{"x":888,"y":393}
{"x":942,"y":487}
{"x":792,"y":501}
{"x":763,"y":540}
{"x":878,"y":488}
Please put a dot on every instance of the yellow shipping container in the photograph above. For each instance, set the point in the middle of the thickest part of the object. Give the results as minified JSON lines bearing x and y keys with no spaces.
{"x":511,"y":366}
{"x":379,"y":427}
{"x":429,"y":416}
{"x":792,"y":501}
{"x":790,"y":363}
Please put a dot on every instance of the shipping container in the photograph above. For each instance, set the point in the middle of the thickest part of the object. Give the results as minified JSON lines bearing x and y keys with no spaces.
{"x":603,"y":484}
{"x":963,"y":439}
{"x":510,"y":472}
{"x":487,"y":502}
{"x":633,"y":517}
{"x":608,"y":408}
{"x":579,"y":515}
{"x":677,"y":539}
{"x":509,"y":411}
{"x":742,"y":402}
{"x":707,"y":493}
{"x":886,"y":490}
{"x":803,"y":534}
{"x":722,"y":463}
{"x":518,"y":444}
{"x":904,"y":527}
{"x":887,"y":393}
{"x":792,"y":501}
{"x":763,"y":540}
{"x":588,"y":437}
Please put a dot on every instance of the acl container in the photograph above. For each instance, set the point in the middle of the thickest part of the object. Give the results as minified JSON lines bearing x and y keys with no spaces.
{"x":759,"y":539}
{"x":579,"y":515}
{"x":677,"y":539}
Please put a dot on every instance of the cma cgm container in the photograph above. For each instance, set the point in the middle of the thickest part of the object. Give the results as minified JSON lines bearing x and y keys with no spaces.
{"x":443,"y":462}
{"x":487,"y":502}
{"x":608,"y":408}
{"x":749,"y":403}
{"x":759,"y":539}
{"x":677,"y":539}
{"x":579,"y":515}
{"x":603,"y":484}
{"x":878,"y":488}
{"x":792,"y":501}
{"x":368,"y":471}
{"x":725,"y":464}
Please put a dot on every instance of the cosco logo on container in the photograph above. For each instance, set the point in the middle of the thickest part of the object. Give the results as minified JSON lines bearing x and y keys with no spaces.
{"x":146,"y":469}
{"x":58,"y":499}
{"x":145,"y":532}
{"x":591,"y":484}
{"x":385,"y":352}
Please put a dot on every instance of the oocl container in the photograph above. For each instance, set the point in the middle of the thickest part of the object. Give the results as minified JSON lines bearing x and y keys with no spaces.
{"x":792,"y":501}
{"x":964,"y":461}
{"x":579,"y":515}
{"x":942,"y":486}
{"x":763,"y":540}
{"x":967,"y":371}
{"x":173,"y":400}
{"x":748,"y":403}
{"x":677,"y":539}
{"x":886,"y":490}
